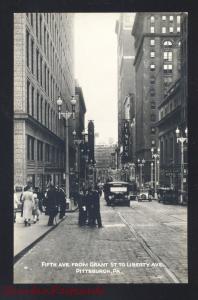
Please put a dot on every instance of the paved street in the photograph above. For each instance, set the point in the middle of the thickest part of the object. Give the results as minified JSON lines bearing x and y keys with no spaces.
{"x":144,"y":243}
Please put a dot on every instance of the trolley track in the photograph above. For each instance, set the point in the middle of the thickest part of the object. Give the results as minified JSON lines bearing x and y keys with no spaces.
{"x":148,"y":249}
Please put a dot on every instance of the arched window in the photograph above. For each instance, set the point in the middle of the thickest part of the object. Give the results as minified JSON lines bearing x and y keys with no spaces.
{"x":167,"y":43}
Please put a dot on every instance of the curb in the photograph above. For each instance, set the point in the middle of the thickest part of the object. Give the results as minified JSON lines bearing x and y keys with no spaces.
{"x":26,"y":249}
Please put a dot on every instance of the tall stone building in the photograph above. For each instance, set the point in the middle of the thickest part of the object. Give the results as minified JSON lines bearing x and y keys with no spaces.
{"x":43,"y":70}
{"x":157,"y":66}
{"x":126,"y":70}
{"x":172,"y":115}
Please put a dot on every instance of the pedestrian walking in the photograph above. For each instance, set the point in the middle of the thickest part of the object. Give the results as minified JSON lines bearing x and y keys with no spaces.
{"x":96,"y":209}
{"x":62,"y":202}
{"x":82,"y":218}
{"x":28,"y":203}
{"x":40,"y":198}
{"x":16,"y":202}
{"x":35,"y":210}
{"x":90,"y":206}
{"x":52,"y":204}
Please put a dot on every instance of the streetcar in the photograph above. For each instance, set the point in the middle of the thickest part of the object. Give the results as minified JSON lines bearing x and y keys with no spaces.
{"x":117,"y":192}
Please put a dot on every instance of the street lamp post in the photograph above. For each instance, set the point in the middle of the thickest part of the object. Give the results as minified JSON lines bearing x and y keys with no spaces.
{"x":182,"y":139}
{"x":156,"y":157}
{"x":151,"y":174}
{"x":67,"y":115}
{"x":141,"y":164}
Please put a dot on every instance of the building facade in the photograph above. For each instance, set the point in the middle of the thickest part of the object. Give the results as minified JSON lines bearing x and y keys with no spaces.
{"x":126,"y":71}
{"x":173,"y":115}
{"x":157,"y":66}
{"x":43,"y":70}
{"x":105,"y":160}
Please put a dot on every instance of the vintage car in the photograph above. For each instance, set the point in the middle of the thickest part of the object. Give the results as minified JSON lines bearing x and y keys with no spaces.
{"x":117,"y":192}
{"x":144,"y":195}
{"x":167,"y":195}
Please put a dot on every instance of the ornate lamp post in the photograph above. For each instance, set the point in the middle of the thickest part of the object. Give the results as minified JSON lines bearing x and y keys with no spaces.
{"x":151,"y":174}
{"x":156,"y":157}
{"x":141,"y":164}
{"x":182,"y":139}
{"x":66,"y":115}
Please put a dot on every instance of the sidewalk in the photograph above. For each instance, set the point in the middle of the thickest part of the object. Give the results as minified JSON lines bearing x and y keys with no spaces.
{"x":26,"y":237}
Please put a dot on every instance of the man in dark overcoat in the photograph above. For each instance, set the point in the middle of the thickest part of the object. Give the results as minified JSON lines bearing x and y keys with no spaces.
{"x":52,"y":204}
{"x":62,"y":202}
{"x":96,"y":208}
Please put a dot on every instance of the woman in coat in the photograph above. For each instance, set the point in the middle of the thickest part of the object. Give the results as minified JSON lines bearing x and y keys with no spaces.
{"x":28,"y":203}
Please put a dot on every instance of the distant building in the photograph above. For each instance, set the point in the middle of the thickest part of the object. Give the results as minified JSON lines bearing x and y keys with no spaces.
{"x":157,"y":66}
{"x":105,"y":159}
{"x":43,"y":70}
{"x":126,"y":70}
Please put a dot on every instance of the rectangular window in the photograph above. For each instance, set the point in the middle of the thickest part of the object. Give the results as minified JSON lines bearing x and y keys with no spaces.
{"x":152,"y":42}
{"x":152,"y":29}
{"x":39,"y":151}
{"x":153,"y":105}
{"x":31,"y":19}
{"x":45,"y":78}
{"x":28,"y":97}
{"x":41,"y":30}
{"x":37,"y":106}
{"x":37,"y":64}
{"x":163,"y":29}
{"x":27,"y":48}
{"x":178,"y":29}
{"x":32,"y":56}
{"x":152,"y":54}
{"x":152,"y":19}
{"x":37,"y":25}
{"x":48,"y":82}
{"x":178,"y":19}
{"x":170,"y":18}
{"x":171,"y":29}
{"x":45,"y":40}
{"x":45,"y":113}
{"x":163,"y":18}
{"x":32,"y":101}
{"x":41,"y":71}
{"x":30,"y":148}
{"x":41,"y":110}
{"x":152,"y":67}
{"x":47,"y":151}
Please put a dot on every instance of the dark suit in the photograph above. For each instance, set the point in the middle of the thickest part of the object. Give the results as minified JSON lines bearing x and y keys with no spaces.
{"x":52,"y":205}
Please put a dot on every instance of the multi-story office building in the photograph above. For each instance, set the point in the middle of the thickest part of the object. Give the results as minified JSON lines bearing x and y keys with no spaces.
{"x":126,"y":70}
{"x":157,"y":66}
{"x":173,"y":114}
{"x":80,"y":111}
{"x":43,"y":70}
{"x":105,"y":160}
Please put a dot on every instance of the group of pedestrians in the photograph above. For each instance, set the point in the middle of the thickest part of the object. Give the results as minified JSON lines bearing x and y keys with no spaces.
{"x":32,"y":203}
{"x":89,"y":207}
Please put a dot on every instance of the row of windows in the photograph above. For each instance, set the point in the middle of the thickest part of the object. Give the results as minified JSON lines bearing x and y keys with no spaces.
{"x":164,"y":29}
{"x":37,"y":150}
{"x":40,"y":109}
{"x":42,"y":71}
{"x":164,"y":18}
{"x":165,"y":43}
{"x":168,"y":68}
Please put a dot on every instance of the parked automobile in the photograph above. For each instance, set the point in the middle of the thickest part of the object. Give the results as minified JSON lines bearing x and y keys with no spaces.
{"x":117,"y":192}
{"x":145,"y":195}
{"x":167,"y":195}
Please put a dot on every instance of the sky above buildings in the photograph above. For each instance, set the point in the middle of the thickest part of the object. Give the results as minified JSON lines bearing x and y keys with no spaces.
{"x":95,"y":47}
